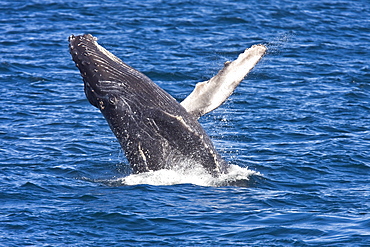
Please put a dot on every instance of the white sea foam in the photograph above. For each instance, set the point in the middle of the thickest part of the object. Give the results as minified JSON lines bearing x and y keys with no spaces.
{"x":197,"y":176}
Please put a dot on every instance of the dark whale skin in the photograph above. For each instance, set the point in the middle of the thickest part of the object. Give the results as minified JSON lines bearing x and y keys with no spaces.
{"x":153,"y":129}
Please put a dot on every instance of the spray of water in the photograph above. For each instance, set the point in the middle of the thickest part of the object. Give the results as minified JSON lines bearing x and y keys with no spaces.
{"x":236,"y":175}
{"x":277,"y":45}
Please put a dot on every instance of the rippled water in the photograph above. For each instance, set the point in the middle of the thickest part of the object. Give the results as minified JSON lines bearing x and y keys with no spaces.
{"x":297,"y":129}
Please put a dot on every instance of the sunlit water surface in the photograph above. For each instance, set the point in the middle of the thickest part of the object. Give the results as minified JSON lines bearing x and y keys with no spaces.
{"x":296,"y":131}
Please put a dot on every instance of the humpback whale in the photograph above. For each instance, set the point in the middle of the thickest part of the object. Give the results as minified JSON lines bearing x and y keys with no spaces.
{"x":154,"y":130}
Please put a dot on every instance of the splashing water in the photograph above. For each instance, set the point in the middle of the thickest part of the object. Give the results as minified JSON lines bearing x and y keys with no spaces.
{"x":237,"y":176}
{"x":277,"y":45}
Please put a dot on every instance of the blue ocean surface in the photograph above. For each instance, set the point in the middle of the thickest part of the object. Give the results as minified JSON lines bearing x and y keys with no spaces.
{"x":296,"y":131}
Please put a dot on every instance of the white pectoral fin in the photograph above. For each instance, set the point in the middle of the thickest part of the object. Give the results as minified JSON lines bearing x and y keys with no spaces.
{"x":210,"y":94}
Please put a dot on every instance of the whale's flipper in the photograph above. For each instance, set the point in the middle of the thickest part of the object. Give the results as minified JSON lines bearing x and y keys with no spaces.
{"x":210,"y":94}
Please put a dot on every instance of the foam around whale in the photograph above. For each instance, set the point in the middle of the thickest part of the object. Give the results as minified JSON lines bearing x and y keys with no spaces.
{"x":237,"y":176}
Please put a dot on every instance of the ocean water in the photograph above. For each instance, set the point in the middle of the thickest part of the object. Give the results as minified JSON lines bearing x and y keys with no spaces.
{"x":297,"y":129}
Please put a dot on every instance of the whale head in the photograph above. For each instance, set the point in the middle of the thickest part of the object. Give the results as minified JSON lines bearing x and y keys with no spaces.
{"x":101,"y":87}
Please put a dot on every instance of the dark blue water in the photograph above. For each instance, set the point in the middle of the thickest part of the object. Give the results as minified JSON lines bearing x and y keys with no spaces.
{"x":298,"y":127}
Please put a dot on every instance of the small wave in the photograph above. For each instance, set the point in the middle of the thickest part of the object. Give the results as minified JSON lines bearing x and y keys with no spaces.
{"x":236,"y":176}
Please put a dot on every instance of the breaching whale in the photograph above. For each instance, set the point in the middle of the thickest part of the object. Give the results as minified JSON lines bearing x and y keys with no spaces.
{"x":154,"y":130}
